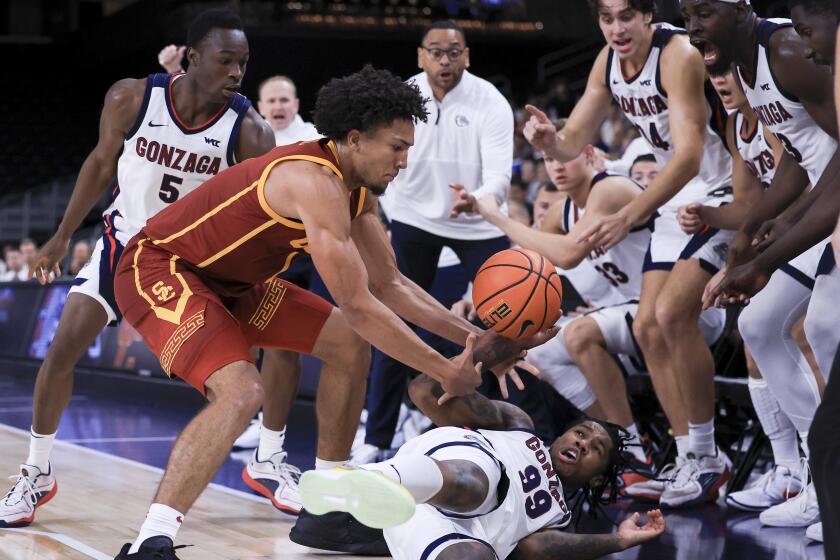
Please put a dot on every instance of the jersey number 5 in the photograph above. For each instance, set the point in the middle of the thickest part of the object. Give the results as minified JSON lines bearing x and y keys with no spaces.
{"x":168,"y":188}
{"x":539,"y":502}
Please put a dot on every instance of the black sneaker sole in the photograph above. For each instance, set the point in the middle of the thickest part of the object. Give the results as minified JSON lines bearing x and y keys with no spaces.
{"x":378,"y":548}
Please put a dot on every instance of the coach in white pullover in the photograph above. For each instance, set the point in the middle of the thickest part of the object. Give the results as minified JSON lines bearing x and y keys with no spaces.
{"x":466,"y":145}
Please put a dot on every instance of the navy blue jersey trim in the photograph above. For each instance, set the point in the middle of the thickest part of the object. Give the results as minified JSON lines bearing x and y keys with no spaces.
{"x":240,"y":104}
{"x":170,"y":107}
{"x":639,"y":360}
{"x":798,"y":275}
{"x":719,"y":116}
{"x":827,"y":261}
{"x":151,"y":82}
{"x":567,"y":211}
{"x":661,"y":37}
{"x":453,"y":537}
{"x":696,"y":242}
{"x":610,"y":55}
{"x":765,"y":31}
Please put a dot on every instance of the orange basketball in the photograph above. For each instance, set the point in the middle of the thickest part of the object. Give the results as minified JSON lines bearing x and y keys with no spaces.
{"x":517,"y":292}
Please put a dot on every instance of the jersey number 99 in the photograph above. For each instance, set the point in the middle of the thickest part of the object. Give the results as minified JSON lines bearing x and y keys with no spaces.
{"x":539,"y":502}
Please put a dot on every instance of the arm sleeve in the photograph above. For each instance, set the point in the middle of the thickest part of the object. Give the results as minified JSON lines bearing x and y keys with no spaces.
{"x":496,"y":147}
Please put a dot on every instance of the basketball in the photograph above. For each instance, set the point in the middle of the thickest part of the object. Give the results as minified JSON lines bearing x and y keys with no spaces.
{"x":517,"y":292}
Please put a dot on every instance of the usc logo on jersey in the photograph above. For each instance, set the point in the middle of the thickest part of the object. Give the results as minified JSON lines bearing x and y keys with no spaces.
{"x":163,"y":292}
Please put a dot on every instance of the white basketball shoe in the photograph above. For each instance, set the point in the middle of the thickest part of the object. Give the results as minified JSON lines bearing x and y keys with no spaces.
{"x":31,"y":490}
{"x":275,"y":479}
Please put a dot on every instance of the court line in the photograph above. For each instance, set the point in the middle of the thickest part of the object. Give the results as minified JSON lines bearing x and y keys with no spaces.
{"x":119,"y":439}
{"x":144,"y":466}
{"x":66,"y":541}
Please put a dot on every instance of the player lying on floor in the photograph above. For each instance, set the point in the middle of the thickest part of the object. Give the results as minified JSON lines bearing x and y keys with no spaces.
{"x":482,"y":493}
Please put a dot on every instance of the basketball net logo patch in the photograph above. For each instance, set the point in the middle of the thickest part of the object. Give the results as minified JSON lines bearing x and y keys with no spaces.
{"x":496,"y":314}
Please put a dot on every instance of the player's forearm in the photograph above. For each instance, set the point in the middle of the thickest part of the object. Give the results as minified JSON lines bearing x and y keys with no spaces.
{"x":415,"y":305}
{"x":94,"y":178}
{"x":828,"y":180}
{"x":553,"y":544}
{"x":815,"y":225}
{"x":561,"y":250}
{"x":788,"y":183}
{"x":668,"y":182}
{"x":474,"y":410}
{"x":729,"y":216}
{"x":377,"y":324}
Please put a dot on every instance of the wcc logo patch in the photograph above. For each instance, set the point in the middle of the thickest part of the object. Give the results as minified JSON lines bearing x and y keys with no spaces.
{"x":461,"y":120}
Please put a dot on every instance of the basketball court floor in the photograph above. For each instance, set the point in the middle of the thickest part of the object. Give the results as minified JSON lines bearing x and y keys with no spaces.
{"x":114,"y":443}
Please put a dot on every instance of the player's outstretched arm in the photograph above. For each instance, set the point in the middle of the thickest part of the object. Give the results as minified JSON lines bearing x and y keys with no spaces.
{"x":554,"y":544}
{"x":474,"y":410}
{"x":412,"y":303}
{"x":122,"y":103}
{"x":562,"y":250}
{"x":320,"y":200}
{"x":581,"y":126}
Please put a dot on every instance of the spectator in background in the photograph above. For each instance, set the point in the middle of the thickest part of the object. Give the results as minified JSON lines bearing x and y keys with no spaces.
{"x":15,"y":267}
{"x":278,"y":104}
{"x":464,"y":152}
{"x":644,"y":169}
{"x":621,"y":166}
{"x":82,"y":252}
{"x":547,"y":195}
{"x":559,"y":101}
{"x":28,"y":249}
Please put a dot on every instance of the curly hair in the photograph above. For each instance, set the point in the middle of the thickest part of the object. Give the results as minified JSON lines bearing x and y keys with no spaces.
{"x":607,"y":490}
{"x":644,"y":6}
{"x":820,"y":6}
{"x":364,"y":101}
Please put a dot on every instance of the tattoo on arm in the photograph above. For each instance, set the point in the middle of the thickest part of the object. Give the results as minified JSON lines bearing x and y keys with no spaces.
{"x":494,"y":352}
{"x":475,"y":410}
{"x":553,"y":544}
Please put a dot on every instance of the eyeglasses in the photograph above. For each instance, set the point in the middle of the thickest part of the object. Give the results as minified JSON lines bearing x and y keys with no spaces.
{"x":437,"y":54}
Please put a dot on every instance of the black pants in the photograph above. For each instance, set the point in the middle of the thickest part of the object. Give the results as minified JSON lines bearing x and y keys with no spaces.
{"x":417,"y":252}
{"x":824,"y":442}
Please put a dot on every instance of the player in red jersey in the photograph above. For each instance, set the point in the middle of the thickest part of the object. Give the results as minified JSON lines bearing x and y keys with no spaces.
{"x":198,"y":282}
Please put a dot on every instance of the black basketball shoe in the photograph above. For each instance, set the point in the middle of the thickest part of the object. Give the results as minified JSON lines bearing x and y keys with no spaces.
{"x":340,"y":532}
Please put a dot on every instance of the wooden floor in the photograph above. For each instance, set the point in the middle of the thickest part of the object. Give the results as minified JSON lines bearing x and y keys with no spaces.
{"x":102,"y":500}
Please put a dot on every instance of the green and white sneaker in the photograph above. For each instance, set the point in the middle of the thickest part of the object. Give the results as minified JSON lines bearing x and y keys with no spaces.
{"x":371,"y":497}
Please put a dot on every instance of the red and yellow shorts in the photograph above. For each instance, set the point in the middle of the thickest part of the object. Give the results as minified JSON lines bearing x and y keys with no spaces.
{"x":189,"y":327}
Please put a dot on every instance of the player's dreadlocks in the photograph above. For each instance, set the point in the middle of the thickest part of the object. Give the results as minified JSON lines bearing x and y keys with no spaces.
{"x":365,"y":100}
{"x":607,"y":489}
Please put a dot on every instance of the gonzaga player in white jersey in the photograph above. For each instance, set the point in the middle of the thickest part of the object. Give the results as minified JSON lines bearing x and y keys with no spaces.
{"x":793,"y":98}
{"x":159,"y":137}
{"x":660,"y":83}
{"x":579,"y":362}
{"x":482,"y":493}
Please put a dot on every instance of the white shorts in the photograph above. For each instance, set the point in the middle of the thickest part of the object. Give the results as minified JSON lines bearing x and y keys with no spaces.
{"x":668,"y":244}
{"x":430,"y":530}
{"x":616,"y":325}
{"x":96,"y":279}
{"x":808,"y":265}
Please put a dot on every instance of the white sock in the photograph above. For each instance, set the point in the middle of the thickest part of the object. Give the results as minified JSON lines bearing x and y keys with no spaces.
{"x":161,"y":520}
{"x":40,"y":446}
{"x":682,"y":445}
{"x":634,"y":444}
{"x":419,"y":474}
{"x":271,"y":442}
{"x":321,"y":464}
{"x":701,"y":438}
{"x":775,"y":423}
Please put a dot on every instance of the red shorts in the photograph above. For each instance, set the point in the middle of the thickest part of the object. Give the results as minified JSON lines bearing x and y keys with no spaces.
{"x":192,"y":331}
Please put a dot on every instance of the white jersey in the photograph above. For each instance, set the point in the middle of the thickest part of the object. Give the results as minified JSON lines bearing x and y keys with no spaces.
{"x":534,"y":498}
{"x":163,"y":159}
{"x":754,"y":150}
{"x":782,"y":113}
{"x":622,"y":263}
{"x":645,"y":103}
